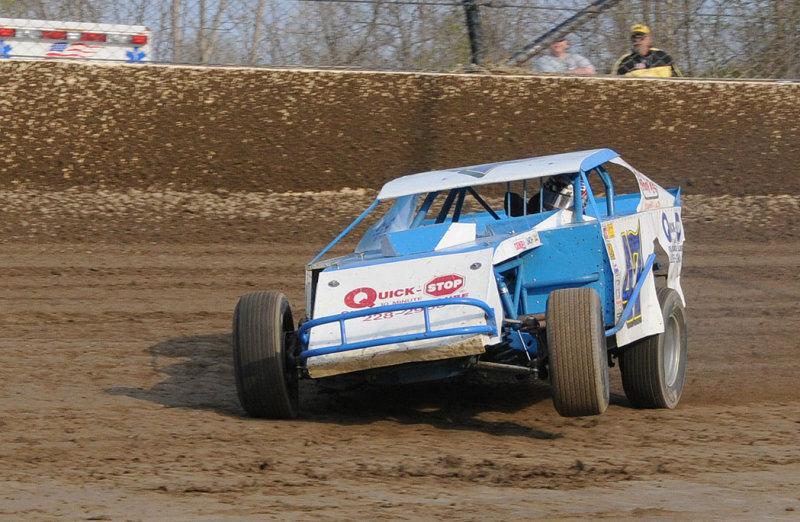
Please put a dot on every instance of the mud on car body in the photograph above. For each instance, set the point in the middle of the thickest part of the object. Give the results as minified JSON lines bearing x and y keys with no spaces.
{"x":516,"y":267}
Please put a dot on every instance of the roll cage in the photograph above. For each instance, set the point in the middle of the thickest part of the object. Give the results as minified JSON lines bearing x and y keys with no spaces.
{"x":458,"y":183}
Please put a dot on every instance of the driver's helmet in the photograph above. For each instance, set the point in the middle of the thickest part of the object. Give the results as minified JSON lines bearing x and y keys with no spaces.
{"x":557,"y":193}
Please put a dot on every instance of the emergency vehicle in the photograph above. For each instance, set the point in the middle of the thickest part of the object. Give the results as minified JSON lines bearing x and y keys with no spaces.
{"x":48,"y":39}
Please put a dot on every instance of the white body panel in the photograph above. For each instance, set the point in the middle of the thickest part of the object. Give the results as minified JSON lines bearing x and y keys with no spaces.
{"x":516,"y":245}
{"x":467,"y":274}
{"x":629,"y":241}
{"x":457,"y":234}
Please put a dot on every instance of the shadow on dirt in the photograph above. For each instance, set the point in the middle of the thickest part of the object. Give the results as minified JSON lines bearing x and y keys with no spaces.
{"x":200,"y":376}
{"x":456,"y":404}
{"x":199,"y":372}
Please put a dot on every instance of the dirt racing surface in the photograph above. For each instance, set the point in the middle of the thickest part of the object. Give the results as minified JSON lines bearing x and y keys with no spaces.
{"x":118,"y":399}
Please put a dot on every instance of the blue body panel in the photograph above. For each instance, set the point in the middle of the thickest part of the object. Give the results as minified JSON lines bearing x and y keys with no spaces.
{"x":416,"y":240}
{"x":516,"y":225}
{"x":571,"y":256}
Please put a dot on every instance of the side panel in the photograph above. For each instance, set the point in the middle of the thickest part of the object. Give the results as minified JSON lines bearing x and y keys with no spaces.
{"x":629,"y":241}
{"x":569,"y":256}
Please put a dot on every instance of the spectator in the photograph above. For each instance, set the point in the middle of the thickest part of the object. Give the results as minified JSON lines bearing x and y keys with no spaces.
{"x":560,"y":61}
{"x":645,"y":60}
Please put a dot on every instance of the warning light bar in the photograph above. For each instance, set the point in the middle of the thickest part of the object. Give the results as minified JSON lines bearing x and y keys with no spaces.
{"x":93,"y":37}
{"x":134,"y":39}
{"x":54,"y":35}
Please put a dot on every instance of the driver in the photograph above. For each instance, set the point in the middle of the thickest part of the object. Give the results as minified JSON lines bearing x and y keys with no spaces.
{"x":557,"y":193}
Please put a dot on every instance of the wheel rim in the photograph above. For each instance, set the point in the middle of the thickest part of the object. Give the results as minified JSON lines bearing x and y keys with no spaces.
{"x":671,"y":351}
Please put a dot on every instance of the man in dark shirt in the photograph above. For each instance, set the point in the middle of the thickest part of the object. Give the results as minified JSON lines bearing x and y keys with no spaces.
{"x":645,"y":60}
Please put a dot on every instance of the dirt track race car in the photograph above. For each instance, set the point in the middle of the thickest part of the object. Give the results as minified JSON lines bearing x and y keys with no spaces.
{"x":535,"y":268}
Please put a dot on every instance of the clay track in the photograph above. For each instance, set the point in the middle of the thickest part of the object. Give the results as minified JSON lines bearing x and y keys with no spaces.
{"x":118,"y":399}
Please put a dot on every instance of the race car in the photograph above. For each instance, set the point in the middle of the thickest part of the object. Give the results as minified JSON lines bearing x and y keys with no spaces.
{"x":535,"y":268}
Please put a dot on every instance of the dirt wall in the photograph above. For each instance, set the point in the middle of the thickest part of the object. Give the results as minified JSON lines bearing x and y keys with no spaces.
{"x":67,"y":124}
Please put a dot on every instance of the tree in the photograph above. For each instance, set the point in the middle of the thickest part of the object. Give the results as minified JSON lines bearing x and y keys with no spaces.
{"x":177,"y":32}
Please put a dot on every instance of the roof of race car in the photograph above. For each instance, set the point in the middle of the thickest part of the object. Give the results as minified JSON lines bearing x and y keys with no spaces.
{"x":501,"y":172}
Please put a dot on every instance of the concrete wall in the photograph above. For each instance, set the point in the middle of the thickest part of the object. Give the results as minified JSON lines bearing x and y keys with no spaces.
{"x":66,"y":124}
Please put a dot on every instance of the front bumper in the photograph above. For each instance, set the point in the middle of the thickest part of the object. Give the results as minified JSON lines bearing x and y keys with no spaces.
{"x":427,"y":344}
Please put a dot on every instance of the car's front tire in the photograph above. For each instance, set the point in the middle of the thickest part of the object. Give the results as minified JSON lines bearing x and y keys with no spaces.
{"x":654,"y":368}
{"x":577,"y":354}
{"x":264,"y":361}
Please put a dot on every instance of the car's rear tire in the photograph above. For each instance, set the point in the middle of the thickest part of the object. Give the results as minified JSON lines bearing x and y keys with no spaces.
{"x":264,"y":362}
{"x":577,"y":354}
{"x":654,"y":368}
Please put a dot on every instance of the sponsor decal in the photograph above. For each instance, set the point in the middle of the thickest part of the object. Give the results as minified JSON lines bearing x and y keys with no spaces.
{"x":72,"y":50}
{"x":651,"y":204}
{"x":672,"y":229}
{"x":608,"y":231}
{"x":363,"y":297}
{"x":648,"y":188}
{"x":516,"y":245}
{"x":634,"y":265}
{"x":444,"y":285}
{"x":367,"y":297}
{"x":674,"y":232}
{"x":532,"y":239}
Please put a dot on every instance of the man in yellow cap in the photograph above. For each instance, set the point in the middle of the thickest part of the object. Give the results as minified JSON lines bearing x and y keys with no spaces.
{"x":645,"y":60}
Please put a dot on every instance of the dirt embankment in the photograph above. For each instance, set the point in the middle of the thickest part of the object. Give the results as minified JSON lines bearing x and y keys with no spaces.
{"x":68,"y":124}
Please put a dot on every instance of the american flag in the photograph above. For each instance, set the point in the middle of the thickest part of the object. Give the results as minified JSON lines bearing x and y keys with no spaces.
{"x":73,"y":50}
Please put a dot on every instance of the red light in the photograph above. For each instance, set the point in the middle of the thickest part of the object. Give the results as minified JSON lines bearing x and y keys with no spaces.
{"x":139,"y":39}
{"x":93,"y":37}
{"x":7,"y":33}
{"x":54,"y":35}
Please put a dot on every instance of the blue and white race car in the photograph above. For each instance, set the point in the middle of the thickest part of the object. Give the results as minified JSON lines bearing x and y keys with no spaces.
{"x":534,"y":267}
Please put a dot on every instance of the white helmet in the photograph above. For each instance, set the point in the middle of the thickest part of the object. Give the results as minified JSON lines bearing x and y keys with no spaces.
{"x":557,"y":193}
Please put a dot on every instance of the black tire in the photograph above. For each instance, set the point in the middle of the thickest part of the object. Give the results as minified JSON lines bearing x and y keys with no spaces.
{"x":264,"y":356}
{"x":577,"y":354}
{"x":654,"y":368}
